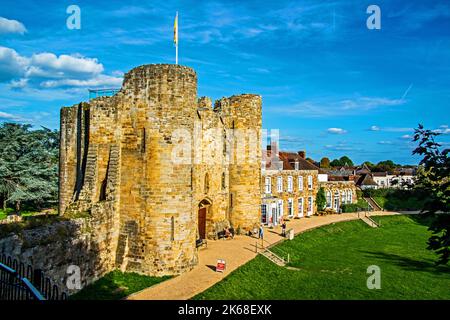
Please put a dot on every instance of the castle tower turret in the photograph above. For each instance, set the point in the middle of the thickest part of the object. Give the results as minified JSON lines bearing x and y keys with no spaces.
{"x":245,"y":122}
{"x":157,"y":218}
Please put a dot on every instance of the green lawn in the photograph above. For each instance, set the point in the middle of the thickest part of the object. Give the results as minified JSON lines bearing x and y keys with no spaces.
{"x":332,"y":263}
{"x":23,"y":213}
{"x":116,"y":285}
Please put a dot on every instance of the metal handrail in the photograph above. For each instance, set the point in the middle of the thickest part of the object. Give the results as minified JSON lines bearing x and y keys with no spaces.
{"x":22,"y":282}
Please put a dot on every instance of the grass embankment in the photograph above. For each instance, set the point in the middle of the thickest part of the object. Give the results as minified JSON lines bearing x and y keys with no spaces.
{"x":331,"y":263}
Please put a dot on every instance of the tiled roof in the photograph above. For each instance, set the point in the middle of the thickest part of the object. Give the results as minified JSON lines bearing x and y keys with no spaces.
{"x":289,"y":158}
{"x":366,"y":180}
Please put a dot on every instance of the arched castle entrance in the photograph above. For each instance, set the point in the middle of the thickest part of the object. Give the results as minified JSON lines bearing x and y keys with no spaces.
{"x":203,"y":210}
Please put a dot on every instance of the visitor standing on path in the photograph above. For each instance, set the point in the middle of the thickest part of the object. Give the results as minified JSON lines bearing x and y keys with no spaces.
{"x":261,"y":235}
{"x":283,"y":229}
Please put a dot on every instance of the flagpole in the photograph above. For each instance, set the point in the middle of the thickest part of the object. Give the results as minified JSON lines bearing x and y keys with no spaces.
{"x":176,"y":43}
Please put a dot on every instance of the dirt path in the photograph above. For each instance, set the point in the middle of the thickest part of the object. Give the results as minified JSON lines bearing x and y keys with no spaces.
{"x":235,"y":252}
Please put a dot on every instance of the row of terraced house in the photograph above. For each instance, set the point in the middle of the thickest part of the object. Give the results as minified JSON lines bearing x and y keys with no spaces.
{"x":290,"y":184}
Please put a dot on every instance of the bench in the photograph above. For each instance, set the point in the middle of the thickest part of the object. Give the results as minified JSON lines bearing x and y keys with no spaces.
{"x":221,"y":234}
{"x":201,"y":242}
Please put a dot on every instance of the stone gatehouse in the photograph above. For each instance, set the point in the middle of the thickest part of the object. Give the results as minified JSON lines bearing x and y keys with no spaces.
{"x":166,"y":167}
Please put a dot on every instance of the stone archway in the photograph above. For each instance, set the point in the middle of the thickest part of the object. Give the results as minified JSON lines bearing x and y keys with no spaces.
{"x":203,"y":212}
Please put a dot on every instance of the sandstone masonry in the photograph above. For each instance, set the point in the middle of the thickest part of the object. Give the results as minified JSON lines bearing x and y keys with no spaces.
{"x":121,"y":158}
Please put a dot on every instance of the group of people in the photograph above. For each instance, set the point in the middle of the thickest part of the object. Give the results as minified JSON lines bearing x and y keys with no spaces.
{"x":283,"y":230}
{"x":229,"y":234}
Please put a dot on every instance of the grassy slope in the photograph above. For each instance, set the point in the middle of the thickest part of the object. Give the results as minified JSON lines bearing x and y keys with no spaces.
{"x":334,"y":260}
{"x":116,"y":285}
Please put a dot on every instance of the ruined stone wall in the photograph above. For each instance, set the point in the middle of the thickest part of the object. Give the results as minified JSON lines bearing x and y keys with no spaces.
{"x":82,"y":242}
{"x":210,"y":167}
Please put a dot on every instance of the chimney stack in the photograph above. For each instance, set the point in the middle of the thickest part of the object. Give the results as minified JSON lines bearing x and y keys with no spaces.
{"x":302,"y":154}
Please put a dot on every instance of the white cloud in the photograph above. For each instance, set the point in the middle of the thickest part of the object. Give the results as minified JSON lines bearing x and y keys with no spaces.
{"x":49,"y":65}
{"x":385,"y":142}
{"x":336,"y":131}
{"x":390,"y":129}
{"x":99,"y":81}
{"x":11,"y":64}
{"x":367,"y":103}
{"x":10,"y":117}
{"x":47,"y":70}
{"x":341,"y":147}
{"x":11,"y":26}
{"x":407,"y":136}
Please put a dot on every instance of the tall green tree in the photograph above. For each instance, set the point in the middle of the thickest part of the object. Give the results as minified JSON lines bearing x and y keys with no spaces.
{"x":346,"y":161}
{"x":28,"y":165}
{"x":321,"y":201}
{"x":325,"y":162}
{"x":434,"y":180}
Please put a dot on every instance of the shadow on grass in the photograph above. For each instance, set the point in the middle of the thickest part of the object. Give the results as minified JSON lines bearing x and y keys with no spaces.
{"x":410,"y":264}
{"x":116,"y":285}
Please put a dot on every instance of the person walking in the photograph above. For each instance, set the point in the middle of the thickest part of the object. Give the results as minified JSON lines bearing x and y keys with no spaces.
{"x":261,"y":232}
{"x":283,"y":229}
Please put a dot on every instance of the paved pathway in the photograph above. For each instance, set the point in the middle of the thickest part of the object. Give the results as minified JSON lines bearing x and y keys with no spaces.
{"x":235,"y":252}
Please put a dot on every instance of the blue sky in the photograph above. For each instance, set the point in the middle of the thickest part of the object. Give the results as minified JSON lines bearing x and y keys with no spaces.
{"x":329,"y":84}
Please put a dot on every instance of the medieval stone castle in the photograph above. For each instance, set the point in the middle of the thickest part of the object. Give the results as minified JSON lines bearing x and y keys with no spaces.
{"x":156,"y":168}
{"x":118,"y":162}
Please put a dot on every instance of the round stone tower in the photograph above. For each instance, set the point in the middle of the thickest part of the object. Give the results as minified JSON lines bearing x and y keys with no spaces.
{"x":245,"y":163}
{"x":158,"y":223}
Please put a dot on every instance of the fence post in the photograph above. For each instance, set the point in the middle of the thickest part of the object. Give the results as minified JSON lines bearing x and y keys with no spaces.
{"x":38,"y":280}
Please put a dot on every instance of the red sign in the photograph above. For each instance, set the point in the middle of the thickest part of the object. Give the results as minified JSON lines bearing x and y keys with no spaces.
{"x":221,"y":264}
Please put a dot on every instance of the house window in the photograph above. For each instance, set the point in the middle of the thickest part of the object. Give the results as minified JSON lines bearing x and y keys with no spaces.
{"x":310,"y":206}
{"x":343,"y":197}
{"x":300,"y":183}
{"x":300,"y":207}
{"x":291,"y":207}
{"x":290,"y":184}
{"x":264,"y":213}
{"x":310,"y":182}
{"x":328,"y":197}
{"x":268,"y":185}
{"x":350,"y":196}
{"x":336,"y":200}
{"x":280,"y":210}
{"x":280,"y":184}
{"x":296,"y":165}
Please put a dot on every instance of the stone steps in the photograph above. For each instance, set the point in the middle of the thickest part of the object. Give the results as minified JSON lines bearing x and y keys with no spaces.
{"x":273,"y":257}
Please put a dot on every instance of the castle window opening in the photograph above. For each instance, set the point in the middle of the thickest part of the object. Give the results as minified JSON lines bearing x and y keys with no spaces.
{"x":172,"y":228}
{"x":206,"y":183}
{"x":223,"y":181}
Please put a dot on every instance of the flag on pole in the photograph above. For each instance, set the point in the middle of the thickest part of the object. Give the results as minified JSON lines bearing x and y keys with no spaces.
{"x":175,"y":37}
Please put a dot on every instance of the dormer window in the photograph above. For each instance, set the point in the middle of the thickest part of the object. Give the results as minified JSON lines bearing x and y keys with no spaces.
{"x":296,"y":165}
